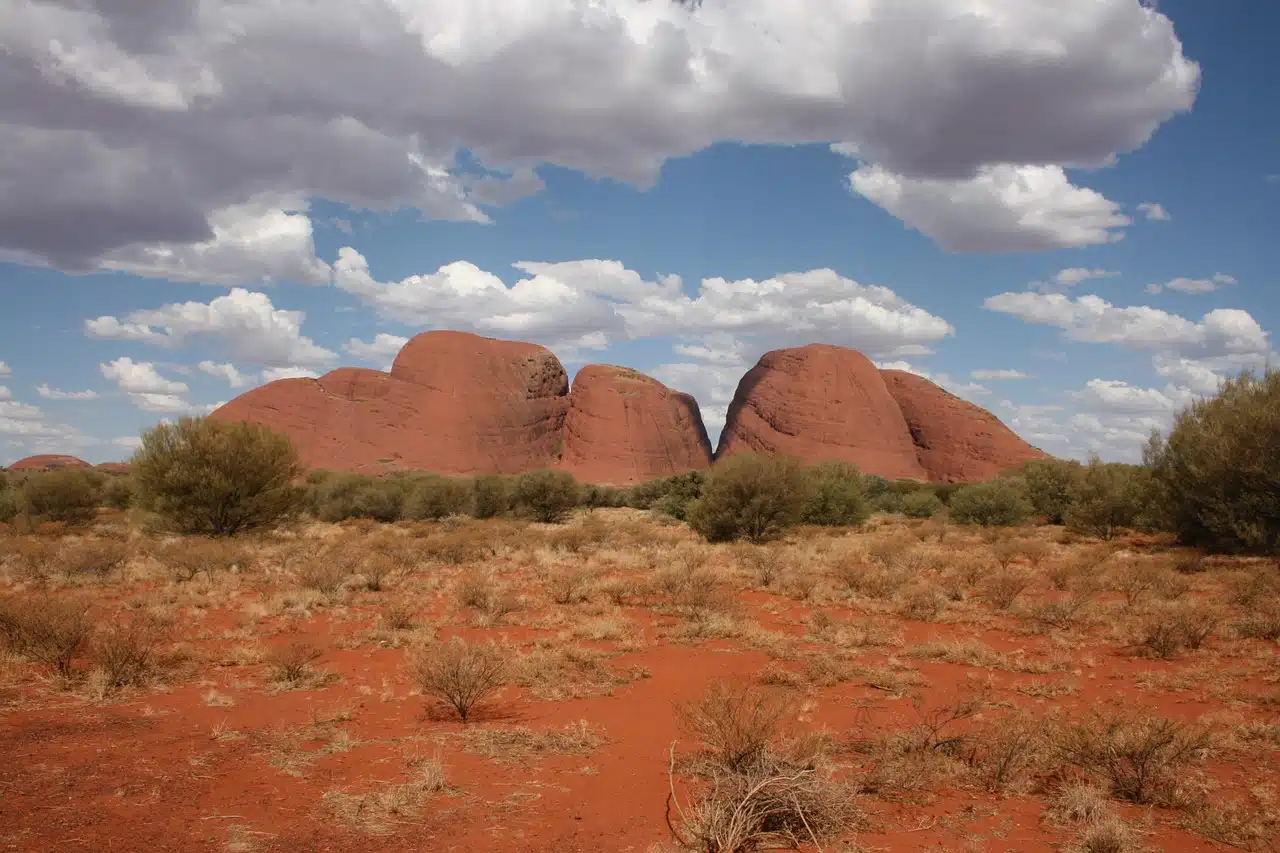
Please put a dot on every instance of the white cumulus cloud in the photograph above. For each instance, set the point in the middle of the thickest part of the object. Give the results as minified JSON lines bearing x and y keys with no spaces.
{"x":134,"y":377}
{"x":998,"y":375}
{"x":1002,"y":208}
{"x":1194,"y":285}
{"x":1154,"y":212}
{"x":229,"y":373}
{"x":381,"y":350}
{"x":244,"y":323}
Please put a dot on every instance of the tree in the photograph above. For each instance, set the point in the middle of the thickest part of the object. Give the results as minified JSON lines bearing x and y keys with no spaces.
{"x":490,"y":496}
{"x":1000,"y":502}
{"x":434,"y":497}
{"x":750,"y":497}
{"x":835,"y":495}
{"x":922,"y":503}
{"x":217,"y":478}
{"x":1049,"y":484}
{"x":547,"y":495}
{"x":1106,"y":497}
{"x":1216,"y":475}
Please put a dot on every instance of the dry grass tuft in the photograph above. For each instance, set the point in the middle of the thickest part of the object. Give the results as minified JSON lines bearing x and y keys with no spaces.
{"x":50,"y":631}
{"x":380,"y":811}
{"x":1141,"y":760}
{"x":291,"y":666}
{"x":518,"y":743}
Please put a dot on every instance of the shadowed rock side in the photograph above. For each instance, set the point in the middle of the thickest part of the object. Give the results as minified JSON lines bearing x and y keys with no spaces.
{"x":624,"y":427}
{"x":821,"y":402}
{"x":48,"y":462}
{"x":453,"y":403}
{"x":958,"y":442}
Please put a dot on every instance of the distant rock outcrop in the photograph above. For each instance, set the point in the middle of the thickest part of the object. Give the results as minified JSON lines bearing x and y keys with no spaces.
{"x":821,"y":402}
{"x":824,"y":402}
{"x":48,"y":462}
{"x":958,"y":442}
{"x":458,"y":403}
{"x":623,"y":426}
{"x":453,"y":403}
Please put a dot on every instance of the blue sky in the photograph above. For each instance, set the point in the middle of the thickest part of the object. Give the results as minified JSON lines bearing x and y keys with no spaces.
{"x":1082,"y":195}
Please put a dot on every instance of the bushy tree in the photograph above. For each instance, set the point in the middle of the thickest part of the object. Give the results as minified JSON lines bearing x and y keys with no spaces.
{"x":216,"y":478}
{"x":1001,"y":503}
{"x":750,"y":497}
{"x":834,"y":495}
{"x":1049,"y":483}
{"x":68,"y":495}
{"x":922,"y":503}
{"x":547,"y":495}
{"x":490,"y":496}
{"x":1216,"y":474}
{"x":10,"y":500}
{"x":117,"y":492}
{"x":1107,"y":497}
{"x":433,"y":497}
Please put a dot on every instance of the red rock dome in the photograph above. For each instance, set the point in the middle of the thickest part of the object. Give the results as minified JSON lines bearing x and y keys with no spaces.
{"x":48,"y":462}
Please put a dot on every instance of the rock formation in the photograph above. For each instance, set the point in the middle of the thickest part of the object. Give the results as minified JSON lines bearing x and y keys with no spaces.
{"x":48,"y":462}
{"x":623,"y":426}
{"x":453,"y":403}
{"x":957,"y":441}
{"x":458,"y":403}
{"x":821,"y":402}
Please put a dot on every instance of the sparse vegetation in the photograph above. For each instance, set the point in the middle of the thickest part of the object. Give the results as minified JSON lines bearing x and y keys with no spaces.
{"x":1000,"y":503}
{"x":460,"y":674}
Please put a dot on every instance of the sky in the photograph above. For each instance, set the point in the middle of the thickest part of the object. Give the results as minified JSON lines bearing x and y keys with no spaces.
{"x":1064,"y":212}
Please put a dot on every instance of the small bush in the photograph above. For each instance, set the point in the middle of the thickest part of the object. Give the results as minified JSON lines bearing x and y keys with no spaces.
{"x":547,"y":496}
{"x":338,"y":497}
{"x":1140,"y":759}
{"x":490,"y":497}
{"x":93,"y":558}
{"x":49,"y":631}
{"x":750,"y":497}
{"x":217,"y":478}
{"x":433,"y":498}
{"x":67,"y":495}
{"x":117,"y":492}
{"x":126,"y":653}
{"x":734,"y":722}
{"x":186,"y":558}
{"x":922,"y":503}
{"x":1002,"y":588}
{"x":10,"y":503}
{"x":834,"y":495}
{"x":1000,"y":503}
{"x":1049,"y":483}
{"x":291,"y":665}
{"x":1106,"y":498}
{"x":765,"y":563}
{"x":460,"y":674}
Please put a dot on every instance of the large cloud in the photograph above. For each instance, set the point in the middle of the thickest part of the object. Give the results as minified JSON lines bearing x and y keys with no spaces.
{"x":130,"y":133}
{"x":592,"y":303}
{"x":244,"y":323}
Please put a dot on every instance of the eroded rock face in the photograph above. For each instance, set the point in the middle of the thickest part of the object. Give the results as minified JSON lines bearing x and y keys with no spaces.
{"x":624,"y":427}
{"x":453,"y":403}
{"x":958,"y":442}
{"x":821,"y":402}
{"x":48,"y":462}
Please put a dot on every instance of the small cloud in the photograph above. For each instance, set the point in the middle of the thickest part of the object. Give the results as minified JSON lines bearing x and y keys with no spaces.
{"x":1154,"y":212}
{"x":1071,"y":277}
{"x":274,"y":373}
{"x":131,"y":442}
{"x":55,"y":394}
{"x":1194,"y":285}
{"x":1273,"y":178}
{"x":997,"y":375}
{"x":4,"y":369}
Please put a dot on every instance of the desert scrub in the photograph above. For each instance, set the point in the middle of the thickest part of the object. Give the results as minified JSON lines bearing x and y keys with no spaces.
{"x":750,"y":497}
{"x":1141,"y":760}
{"x":291,"y":666}
{"x":460,"y":674}
{"x":128,"y":653}
{"x":54,"y":632}
{"x":379,"y":811}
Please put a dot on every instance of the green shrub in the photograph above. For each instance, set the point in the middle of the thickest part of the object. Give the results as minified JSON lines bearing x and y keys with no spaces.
{"x":433,"y":498}
{"x":672,"y":495}
{"x":338,"y":497}
{"x":995,"y":502}
{"x":834,"y":495}
{"x":69,"y":495}
{"x":10,"y":500}
{"x":490,"y":496}
{"x":1049,"y":483}
{"x":750,"y":497}
{"x":923,"y":503}
{"x":1218,"y":484}
{"x":602,"y":496}
{"x":547,"y":495}
{"x":1106,"y":497}
{"x":117,"y":492}
{"x":216,"y":478}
